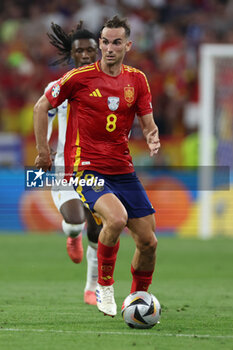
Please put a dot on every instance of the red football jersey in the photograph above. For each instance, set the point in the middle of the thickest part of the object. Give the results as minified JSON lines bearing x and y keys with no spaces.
{"x":101,"y":110}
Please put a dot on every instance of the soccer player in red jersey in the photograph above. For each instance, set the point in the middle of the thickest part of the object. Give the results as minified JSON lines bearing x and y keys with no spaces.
{"x":81,"y":46}
{"x":104,"y":98}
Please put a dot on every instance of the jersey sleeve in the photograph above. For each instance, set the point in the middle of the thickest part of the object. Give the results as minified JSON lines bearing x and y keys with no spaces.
{"x":51,"y":113}
{"x":62,"y":89}
{"x":144,"y":104}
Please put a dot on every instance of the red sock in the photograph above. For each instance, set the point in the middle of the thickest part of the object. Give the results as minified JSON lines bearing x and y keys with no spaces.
{"x":106,"y":263}
{"x":141,"y":280}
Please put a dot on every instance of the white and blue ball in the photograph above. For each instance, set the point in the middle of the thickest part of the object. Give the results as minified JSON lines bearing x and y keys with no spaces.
{"x":141,"y":310}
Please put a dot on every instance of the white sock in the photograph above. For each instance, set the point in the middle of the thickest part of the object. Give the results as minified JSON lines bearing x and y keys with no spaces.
{"x":71,"y":230}
{"x":92,"y":269}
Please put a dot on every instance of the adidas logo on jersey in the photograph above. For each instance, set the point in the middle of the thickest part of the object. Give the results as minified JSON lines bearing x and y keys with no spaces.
{"x":96,"y":93}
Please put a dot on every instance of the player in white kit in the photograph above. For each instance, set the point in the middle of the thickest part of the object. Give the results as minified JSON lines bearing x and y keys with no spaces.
{"x":81,"y":46}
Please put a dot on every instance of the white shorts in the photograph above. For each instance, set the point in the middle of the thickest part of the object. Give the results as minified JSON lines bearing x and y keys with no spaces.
{"x":60,"y":197}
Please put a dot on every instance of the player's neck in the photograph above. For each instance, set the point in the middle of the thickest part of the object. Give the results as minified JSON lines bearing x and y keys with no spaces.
{"x":112,"y":70}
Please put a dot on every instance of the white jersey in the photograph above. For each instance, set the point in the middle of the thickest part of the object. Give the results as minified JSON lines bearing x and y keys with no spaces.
{"x":61,"y":112}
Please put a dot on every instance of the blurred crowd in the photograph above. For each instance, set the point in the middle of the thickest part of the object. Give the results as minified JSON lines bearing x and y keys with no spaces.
{"x":166,"y":38}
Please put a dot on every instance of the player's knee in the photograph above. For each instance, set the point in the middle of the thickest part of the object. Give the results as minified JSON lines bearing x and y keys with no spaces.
{"x":73,"y":219}
{"x":148,"y":246}
{"x":117,"y":223}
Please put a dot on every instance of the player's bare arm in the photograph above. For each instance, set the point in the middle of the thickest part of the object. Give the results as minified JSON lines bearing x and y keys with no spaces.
{"x":150,"y":132}
{"x":40,"y":115}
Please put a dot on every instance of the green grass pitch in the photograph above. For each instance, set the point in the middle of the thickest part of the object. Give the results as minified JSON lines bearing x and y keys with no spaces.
{"x":41,"y":297}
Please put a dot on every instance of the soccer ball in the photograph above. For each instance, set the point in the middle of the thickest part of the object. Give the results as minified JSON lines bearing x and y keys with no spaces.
{"x":141,"y":310}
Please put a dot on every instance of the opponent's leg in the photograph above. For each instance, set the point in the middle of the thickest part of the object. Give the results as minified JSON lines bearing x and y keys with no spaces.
{"x":93,"y":231}
{"x":92,"y":275}
{"x":143,"y":263}
{"x":114,"y":218}
{"x":73,"y":223}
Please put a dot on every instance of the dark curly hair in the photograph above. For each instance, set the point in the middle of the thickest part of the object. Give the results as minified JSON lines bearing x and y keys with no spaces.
{"x":63,"y":41}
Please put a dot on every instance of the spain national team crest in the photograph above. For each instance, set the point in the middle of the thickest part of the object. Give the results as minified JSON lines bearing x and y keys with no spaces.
{"x":113,"y":103}
{"x":129,"y":94}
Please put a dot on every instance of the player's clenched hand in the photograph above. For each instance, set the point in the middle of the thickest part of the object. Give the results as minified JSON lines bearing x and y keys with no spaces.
{"x":153,"y":141}
{"x":44,"y":161}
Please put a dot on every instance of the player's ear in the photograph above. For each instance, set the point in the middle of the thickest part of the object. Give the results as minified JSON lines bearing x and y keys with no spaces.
{"x":128,"y":46}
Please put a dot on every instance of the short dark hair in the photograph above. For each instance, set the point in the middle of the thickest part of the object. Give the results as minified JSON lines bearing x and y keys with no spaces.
{"x":63,"y":41}
{"x":117,"y":22}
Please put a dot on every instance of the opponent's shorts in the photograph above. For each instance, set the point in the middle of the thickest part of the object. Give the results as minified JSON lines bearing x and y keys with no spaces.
{"x":127,"y":188}
{"x":60,"y":197}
